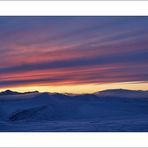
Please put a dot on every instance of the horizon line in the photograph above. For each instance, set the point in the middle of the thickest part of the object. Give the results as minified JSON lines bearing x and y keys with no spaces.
{"x":37,"y":91}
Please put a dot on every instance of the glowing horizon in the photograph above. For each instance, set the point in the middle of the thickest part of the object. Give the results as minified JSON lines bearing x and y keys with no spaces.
{"x":73,"y":54}
{"x":80,"y":89}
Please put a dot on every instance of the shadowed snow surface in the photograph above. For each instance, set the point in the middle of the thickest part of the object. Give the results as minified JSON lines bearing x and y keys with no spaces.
{"x":58,"y":112}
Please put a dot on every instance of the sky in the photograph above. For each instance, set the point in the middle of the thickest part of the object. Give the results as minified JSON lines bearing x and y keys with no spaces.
{"x":73,"y":54}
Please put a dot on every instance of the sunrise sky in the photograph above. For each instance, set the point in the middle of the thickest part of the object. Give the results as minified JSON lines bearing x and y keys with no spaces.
{"x":73,"y":54}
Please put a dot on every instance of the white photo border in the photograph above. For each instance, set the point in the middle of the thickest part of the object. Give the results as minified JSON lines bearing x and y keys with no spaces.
{"x":73,"y":8}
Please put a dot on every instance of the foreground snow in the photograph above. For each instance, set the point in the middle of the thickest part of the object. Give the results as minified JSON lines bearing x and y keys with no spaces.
{"x":67,"y":113}
{"x":139,"y":124}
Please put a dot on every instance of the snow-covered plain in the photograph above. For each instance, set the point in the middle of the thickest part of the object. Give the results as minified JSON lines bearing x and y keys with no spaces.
{"x":106,"y":111}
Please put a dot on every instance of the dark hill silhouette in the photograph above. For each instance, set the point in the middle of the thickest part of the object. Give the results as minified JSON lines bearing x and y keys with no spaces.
{"x":8,"y":92}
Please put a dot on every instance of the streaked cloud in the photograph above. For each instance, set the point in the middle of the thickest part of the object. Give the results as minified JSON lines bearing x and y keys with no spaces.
{"x":54,"y":51}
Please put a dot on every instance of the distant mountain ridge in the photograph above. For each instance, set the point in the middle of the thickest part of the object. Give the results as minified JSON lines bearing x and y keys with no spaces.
{"x":124,"y":93}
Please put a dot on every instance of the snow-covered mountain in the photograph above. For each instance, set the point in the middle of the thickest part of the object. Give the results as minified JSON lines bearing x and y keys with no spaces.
{"x":123,"y":93}
{"x":36,"y":111}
